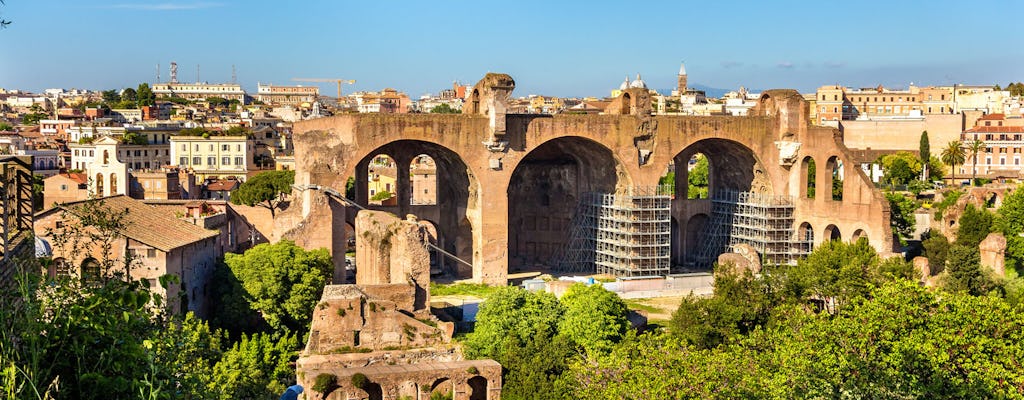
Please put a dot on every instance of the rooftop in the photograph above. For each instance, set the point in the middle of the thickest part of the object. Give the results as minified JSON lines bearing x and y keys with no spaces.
{"x":145,"y":223}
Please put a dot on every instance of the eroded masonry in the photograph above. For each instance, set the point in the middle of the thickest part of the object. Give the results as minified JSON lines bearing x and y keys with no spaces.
{"x":512,"y":190}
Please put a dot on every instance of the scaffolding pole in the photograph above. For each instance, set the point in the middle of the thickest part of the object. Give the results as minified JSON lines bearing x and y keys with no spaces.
{"x":763,"y":221}
{"x":624,"y":234}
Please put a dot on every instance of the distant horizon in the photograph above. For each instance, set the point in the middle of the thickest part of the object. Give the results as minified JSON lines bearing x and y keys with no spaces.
{"x":564,"y":49}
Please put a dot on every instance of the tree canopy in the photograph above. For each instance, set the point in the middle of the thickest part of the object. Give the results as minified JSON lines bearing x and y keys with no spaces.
{"x":594,"y":318}
{"x":266,"y":189}
{"x":283,"y":282}
{"x":444,"y":108}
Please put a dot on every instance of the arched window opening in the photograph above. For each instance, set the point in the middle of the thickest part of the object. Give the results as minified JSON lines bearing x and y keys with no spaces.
{"x":835,"y":167}
{"x":423,"y":180}
{"x":382,"y":181}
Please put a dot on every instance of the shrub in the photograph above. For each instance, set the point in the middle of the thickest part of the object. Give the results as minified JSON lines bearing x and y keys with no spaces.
{"x":359,"y":380}
{"x":325,"y":383}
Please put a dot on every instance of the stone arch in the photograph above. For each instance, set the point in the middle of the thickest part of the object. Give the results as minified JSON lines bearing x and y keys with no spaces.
{"x":455,"y":212}
{"x":805,"y":233}
{"x":106,"y":157}
{"x":60,"y":267}
{"x":408,"y":390}
{"x":99,"y":185}
{"x":858,"y":235}
{"x":433,"y":235}
{"x":113,"y":183}
{"x":544,"y":190}
{"x":808,"y":169}
{"x":477,"y":388}
{"x":627,"y":104}
{"x":731,"y":166}
{"x":374,"y":391}
{"x":832,"y":233}
{"x":441,"y":386}
{"x":836,"y":172}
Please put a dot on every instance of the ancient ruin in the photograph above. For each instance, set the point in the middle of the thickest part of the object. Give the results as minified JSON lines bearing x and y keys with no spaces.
{"x":378,"y":339}
{"x":508,"y":185}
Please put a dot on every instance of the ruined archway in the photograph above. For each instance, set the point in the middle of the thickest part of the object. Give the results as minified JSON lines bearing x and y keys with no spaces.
{"x":477,"y":388}
{"x":423,"y":180}
{"x":832,"y":233}
{"x":544,"y":190}
{"x":858,"y":235}
{"x":807,"y":177}
{"x":454,"y":211}
{"x":732,"y":168}
{"x":836,"y":173}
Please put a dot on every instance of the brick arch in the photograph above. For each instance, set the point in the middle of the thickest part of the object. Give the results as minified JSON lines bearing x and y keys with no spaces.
{"x":492,"y":145}
{"x":831,"y":232}
{"x":544,"y":189}
{"x":456,"y":208}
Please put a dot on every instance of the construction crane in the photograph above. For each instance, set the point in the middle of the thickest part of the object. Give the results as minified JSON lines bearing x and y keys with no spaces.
{"x":338,"y":81}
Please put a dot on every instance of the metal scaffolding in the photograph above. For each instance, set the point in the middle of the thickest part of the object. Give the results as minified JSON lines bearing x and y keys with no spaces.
{"x":763,"y":221}
{"x":620,"y":234}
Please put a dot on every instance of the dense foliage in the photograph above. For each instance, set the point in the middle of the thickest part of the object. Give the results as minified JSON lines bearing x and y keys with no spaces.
{"x":266,"y":189}
{"x":282,"y":281}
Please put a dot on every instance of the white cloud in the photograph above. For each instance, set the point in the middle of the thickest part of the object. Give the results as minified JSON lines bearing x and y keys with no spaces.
{"x":785,"y":64}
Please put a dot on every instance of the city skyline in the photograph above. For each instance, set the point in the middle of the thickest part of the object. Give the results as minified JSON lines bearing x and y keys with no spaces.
{"x":571,"y":49}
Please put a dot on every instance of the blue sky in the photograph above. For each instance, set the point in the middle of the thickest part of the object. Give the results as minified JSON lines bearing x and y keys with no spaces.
{"x":562,"y":48}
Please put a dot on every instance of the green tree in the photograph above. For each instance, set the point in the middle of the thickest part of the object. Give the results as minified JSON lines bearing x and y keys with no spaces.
{"x":974,"y":225}
{"x":974,"y":148}
{"x":266,"y":190}
{"x":836,"y":270}
{"x":965,"y":271}
{"x":901,"y":215}
{"x":110,"y":96}
{"x":144,"y":95}
{"x":444,"y":108}
{"x":134,"y":138}
{"x":129,"y":95}
{"x":899,"y":173}
{"x":256,"y":367}
{"x":952,"y":156}
{"x":512,"y":315}
{"x":594,"y":317}
{"x":350,"y":188}
{"x":697,"y":179}
{"x":34,"y":115}
{"x":185,"y":353}
{"x":741,"y":302}
{"x":217,"y":101}
{"x":381,"y":196}
{"x":283,"y":281}
{"x":4,"y":127}
{"x":537,"y":368}
{"x":925,"y":152}
{"x":936,"y":248}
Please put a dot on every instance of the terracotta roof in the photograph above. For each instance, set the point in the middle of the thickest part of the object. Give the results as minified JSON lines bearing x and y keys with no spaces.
{"x":996,"y":129}
{"x":78,"y":177}
{"x":147,"y":224}
{"x":993,"y":117}
{"x":222,"y":185}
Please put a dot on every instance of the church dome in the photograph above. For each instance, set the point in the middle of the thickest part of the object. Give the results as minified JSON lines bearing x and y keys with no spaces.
{"x":638,"y":83}
{"x":625,"y":84}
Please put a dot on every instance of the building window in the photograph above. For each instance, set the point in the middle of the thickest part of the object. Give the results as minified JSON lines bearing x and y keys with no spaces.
{"x":211,"y":146}
{"x":183,"y":161}
{"x":1002,"y":161}
{"x":211,"y":161}
{"x":225,"y":161}
{"x":197,"y":147}
{"x":197,"y":160}
{"x":151,"y":253}
{"x":239,"y":161}
{"x":988,"y":160}
{"x":238,"y":147}
{"x":225,"y":147}
{"x":138,"y":153}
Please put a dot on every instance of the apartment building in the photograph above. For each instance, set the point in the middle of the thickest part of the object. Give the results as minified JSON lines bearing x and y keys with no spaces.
{"x":214,"y":156}
{"x":1002,"y":138}
{"x":287,"y":95}
{"x":200,"y":91}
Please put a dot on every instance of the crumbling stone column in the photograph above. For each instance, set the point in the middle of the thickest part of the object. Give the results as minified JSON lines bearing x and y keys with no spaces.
{"x":993,"y":253}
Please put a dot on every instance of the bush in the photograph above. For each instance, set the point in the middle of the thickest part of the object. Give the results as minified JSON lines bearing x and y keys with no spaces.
{"x":325,"y":383}
{"x":381,"y":196}
{"x":359,"y":380}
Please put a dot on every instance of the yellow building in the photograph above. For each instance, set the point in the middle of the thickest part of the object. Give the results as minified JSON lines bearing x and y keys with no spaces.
{"x":214,"y":156}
